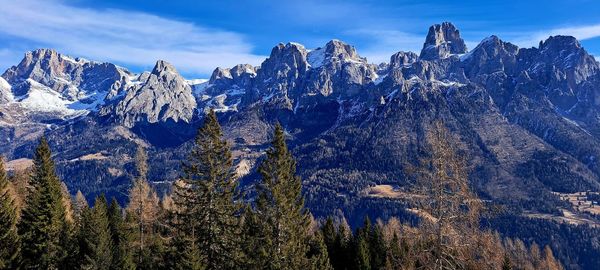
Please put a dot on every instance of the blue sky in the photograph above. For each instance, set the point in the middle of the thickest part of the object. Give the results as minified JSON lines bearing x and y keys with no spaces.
{"x":197,"y":36}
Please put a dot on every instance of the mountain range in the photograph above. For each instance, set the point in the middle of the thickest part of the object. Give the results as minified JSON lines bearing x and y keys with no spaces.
{"x":526,"y":119}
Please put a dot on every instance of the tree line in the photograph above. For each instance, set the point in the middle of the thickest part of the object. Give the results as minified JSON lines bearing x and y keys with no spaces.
{"x":205,"y":223}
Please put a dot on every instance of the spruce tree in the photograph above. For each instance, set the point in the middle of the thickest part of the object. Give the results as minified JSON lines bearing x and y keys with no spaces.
{"x":97,"y":250}
{"x":377,"y":247}
{"x":329,"y":238}
{"x":256,"y":255}
{"x":362,"y":256}
{"x":506,"y":263}
{"x":344,"y":252}
{"x":182,"y":251}
{"x":317,"y":253}
{"x":280,"y":206}
{"x":122,"y":257}
{"x":206,"y":198}
{"x":43,"y":219}
{"x":183,"y":254}
{"x":9,"y":239}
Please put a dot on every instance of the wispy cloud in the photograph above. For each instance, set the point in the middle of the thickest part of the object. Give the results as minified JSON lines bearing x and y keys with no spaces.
{"x":384,"y":43}
{"x":528,"y":39}
{"x":130,"y":38}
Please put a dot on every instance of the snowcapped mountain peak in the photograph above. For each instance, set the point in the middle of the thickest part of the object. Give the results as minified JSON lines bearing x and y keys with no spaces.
{"x":52,"y":85}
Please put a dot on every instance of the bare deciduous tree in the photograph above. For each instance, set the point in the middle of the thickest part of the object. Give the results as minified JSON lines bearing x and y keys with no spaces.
{"x":448,"y":207}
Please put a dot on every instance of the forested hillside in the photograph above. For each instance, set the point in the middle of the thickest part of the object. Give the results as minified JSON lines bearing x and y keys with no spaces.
{"x":205,"y":222}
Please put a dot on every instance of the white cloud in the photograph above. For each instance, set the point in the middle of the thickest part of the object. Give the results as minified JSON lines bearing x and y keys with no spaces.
{"x":581,"y":32}
{"x":130,"y":38}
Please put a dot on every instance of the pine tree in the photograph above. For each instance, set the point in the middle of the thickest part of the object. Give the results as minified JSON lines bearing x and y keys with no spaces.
{"x":183,"y":254}
{"x":362,"y":253}
{"x":343,"y":247}
{"x":183,"y":251}
{"x":317,"y":253}
{"x":329,"y":238}
{"x":122,"y":257}
{"x":506,"y":264}
{"x":78,"y":207}
{"x":82,"y":214}
{"x":280,"y":205}
{"x":377,"y":248}
{"x":255,"y":254}
{"x":206,"y":198}
{"x":9,"y":239}
{"x":43,"y":219}
{"x":97,"y":250}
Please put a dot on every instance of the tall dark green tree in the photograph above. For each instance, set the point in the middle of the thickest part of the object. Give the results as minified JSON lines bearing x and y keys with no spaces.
{"x":280,"y":207}
{"x":206,"y":198}
{"x":253,"y":247}
{"x":317,"y":253}
{"x":377,"y":247}
{"x":506,"y":263}
{"x":43,"y":225}
{"x":122,"y":257}
{"x":97,"y":250}
{"x":362,"y":256}
{"x":9,"y":239}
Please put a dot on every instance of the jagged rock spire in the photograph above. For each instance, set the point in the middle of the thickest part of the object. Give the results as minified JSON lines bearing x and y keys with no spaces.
{"x":442,"y":41}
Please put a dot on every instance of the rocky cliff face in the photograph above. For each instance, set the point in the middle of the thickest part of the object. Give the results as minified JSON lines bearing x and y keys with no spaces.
{"x":160,"y":96}
{"x":442,"y":41}
{"x":73,"y":78}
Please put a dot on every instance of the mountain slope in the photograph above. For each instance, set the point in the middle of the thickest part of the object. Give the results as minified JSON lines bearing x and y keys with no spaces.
{"x":527,"y":119}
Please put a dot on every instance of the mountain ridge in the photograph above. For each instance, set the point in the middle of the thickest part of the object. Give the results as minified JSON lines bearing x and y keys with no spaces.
{"x":527,"y":118}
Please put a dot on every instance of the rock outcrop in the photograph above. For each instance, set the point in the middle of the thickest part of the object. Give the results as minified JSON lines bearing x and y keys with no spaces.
{"x":442,"y":41}
{"x":161,"y":96}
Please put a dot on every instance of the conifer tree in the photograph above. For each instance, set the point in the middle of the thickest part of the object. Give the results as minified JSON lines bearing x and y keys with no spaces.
{"x":343,"y":247}
{"x":377,"y":247}
{"x":43,"y":223}
{"x":122,"y":257}
{"x":81,"y":214}
{"x":207,"y":196}
{"x":362,"y":253}
{"x":9,"y":239}
{"x":255,"y":254}
{"x":78,"y":207}
{"x":507,"y":264}
{"x":317,"y":253}
{"x":280,"y":205}
{"x":329,"y":238}
{"x":97,"y":250}
{"x":183,"y":251}
{"x":183,"y":254}
{"x":143,"y":211}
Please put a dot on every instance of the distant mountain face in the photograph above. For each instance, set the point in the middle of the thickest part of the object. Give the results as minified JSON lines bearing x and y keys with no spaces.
{"x":527,"y":119}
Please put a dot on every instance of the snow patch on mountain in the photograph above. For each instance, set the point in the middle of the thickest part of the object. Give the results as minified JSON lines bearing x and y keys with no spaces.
{"x":316,"y":58}
{"x":6,"y":94}
{"x":40,"y":98}
{"x":198,"y":86}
